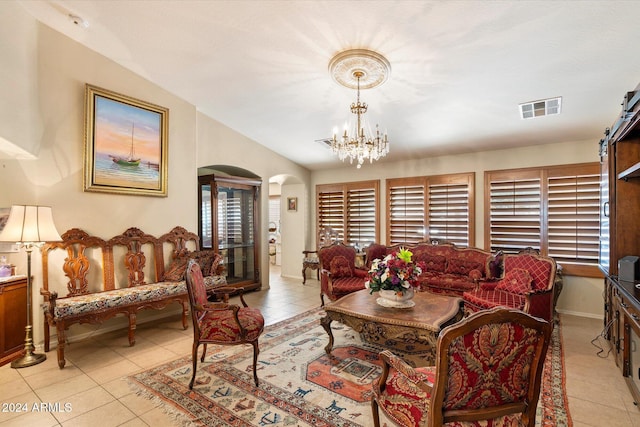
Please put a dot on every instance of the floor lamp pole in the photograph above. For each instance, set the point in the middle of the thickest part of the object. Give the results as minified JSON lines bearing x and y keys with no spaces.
{"x":30,"y":358}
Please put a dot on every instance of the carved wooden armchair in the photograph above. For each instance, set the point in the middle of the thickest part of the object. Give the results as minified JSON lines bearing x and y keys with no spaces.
{"x":488,"y":367}
{"x":326,"y":236}
{"x":220,"y":322}
{"x":527,"y":284}
{"x":338,"y":273}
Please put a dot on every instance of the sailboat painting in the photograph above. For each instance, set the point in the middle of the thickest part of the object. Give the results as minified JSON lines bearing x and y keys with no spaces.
{"x":126,"y":144}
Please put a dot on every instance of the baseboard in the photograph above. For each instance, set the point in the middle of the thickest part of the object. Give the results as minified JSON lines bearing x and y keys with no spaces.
{"x":582,"y":314}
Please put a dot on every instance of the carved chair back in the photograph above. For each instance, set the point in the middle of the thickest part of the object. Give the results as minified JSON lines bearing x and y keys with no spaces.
{"x":489,"y":366}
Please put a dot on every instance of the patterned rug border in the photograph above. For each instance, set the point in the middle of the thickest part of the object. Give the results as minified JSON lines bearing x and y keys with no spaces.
{"x":553,"y":407}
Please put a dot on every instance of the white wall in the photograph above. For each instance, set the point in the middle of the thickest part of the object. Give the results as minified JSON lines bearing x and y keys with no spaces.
{"x":581,"y":296}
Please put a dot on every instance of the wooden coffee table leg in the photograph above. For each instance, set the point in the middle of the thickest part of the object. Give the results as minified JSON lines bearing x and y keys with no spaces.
{"x":326,"y":324}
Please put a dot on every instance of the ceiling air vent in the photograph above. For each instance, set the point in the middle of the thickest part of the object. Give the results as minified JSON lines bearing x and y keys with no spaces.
{"x":544,"y":107}
{"x":325,"y":142}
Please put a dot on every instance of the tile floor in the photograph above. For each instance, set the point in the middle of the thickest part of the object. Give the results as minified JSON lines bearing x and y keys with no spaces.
{"x":93,"y":383}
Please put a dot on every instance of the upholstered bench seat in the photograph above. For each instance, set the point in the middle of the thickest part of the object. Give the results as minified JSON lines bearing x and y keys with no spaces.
{"x":80,"y":305}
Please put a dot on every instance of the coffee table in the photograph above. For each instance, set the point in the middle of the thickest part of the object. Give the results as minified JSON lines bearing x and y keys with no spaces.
{"x":411,"y":331}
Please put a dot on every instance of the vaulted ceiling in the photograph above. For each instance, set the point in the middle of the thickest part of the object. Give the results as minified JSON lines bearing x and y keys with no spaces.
{"x":459,"y":68}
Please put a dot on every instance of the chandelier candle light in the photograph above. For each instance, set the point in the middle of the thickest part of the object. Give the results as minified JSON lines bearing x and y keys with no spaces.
{"x":359,"y":66}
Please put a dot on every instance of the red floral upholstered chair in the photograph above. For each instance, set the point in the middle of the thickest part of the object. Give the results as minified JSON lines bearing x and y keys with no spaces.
{"x":338,"y":273}
{"x":527,"y":285}
{"x":220,"y":322}
{"x":488,"y":368}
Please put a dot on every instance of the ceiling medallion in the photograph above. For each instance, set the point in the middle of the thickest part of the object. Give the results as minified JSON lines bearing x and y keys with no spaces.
{"x":356,"y":69}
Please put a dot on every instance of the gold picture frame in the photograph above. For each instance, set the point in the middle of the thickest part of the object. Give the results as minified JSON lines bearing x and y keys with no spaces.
{"x":292,"y":203}
{"x":126,"y":144}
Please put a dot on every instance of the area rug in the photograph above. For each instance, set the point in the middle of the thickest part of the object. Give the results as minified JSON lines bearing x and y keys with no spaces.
{"x":300,"y":385}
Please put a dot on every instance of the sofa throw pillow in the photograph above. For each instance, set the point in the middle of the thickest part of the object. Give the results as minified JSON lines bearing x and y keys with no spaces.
{"x":516,"y":281}
{"x":204,"y":258}
{"x":340,"y":267}
{"x":495,"y":265}
{"x":435,"y":263}
{"x":462,"y":266}
{"x":175,"y":271}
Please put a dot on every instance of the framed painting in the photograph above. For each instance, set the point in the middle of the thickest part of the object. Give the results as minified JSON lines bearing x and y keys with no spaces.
{"x":292,"y":203}
{"x":126,"y":146}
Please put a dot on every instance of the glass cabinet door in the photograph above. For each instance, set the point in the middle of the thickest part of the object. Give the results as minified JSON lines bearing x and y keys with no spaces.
{"x":228,"y":224}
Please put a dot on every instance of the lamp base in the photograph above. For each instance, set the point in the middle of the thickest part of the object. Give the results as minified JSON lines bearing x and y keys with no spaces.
{"x":28,"y":359}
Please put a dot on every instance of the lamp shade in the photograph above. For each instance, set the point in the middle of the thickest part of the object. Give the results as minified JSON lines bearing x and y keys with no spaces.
{"x":30,"y":224}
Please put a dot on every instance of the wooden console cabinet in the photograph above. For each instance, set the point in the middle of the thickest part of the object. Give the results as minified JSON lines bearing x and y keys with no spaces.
{"x":620,"y":236}
{"x":13,"y":317}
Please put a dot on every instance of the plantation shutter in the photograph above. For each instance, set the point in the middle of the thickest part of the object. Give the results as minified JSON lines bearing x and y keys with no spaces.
{"x":515,"y":211}
{"x":450,"y":210}
{"x":431,"y":207}
{"x":351,"y":209}
{"x":573,"y":215}
{"x":553,"y":209}
{"x":361,"y":216}
{"x":406,"y":211}
{"x":331,"y":209}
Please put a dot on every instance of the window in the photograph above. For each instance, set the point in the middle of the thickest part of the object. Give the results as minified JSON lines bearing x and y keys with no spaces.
{"x":431,"y":207}
{"x":553,"y":209}
{"x":351,"y":209}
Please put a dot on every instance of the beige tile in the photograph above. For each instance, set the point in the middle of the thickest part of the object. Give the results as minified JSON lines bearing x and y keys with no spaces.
{"x":60,"y":390}
{"x":8,"y":374}
{"x":13,"y":388}
{"x":109,"y":415}
{"x":139,"y":404}
{"x":85,"y":401}
{"x":100,"y":358}
{"x":51,"y":376}
{"x":31,"y":419}
{"x":152,"y":357}
{"x":111,"y":372}
{"x":597,"y":415}
{"x":118,"y":387}
{"x":18,"y":405}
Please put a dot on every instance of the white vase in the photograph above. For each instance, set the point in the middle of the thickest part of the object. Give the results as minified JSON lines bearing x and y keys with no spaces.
{"x":393,"y":299}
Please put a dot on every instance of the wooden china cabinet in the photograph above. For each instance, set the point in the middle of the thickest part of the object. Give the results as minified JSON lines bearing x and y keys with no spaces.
{"x":620,"y":236}
{"x":228,"y":223}
{"x":13,"y":317}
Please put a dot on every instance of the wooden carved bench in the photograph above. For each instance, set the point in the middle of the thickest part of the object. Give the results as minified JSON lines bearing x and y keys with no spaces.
{"x":125,"y":286}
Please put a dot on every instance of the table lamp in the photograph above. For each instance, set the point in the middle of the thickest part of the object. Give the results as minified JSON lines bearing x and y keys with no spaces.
{"x":29,"y":227}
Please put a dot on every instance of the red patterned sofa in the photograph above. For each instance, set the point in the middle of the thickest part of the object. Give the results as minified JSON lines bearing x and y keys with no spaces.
{"x":449,"y":269}
{"x":338,"y":273}
{"x":522,"y":281}
{"x":527,"y":284}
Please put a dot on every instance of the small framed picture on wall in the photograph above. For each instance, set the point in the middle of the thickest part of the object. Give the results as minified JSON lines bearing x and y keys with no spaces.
{"x":292,"y":203}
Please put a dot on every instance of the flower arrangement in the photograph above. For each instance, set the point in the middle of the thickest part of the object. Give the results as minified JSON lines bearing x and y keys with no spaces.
{"x":396,"y":272}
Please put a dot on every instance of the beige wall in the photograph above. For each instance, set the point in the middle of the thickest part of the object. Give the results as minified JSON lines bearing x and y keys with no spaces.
{"x":56,"y":69}
{"x":582,"y":296}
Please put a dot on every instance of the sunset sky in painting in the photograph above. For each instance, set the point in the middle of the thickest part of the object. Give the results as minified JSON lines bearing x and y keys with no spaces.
{"x":113,"y":124}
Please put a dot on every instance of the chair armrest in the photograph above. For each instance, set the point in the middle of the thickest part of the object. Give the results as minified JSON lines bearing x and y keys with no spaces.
{"x":391,"y":360}
{"x":309,"y":252}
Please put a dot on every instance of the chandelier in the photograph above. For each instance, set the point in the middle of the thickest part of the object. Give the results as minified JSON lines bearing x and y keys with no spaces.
{"x":358,"y":142}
